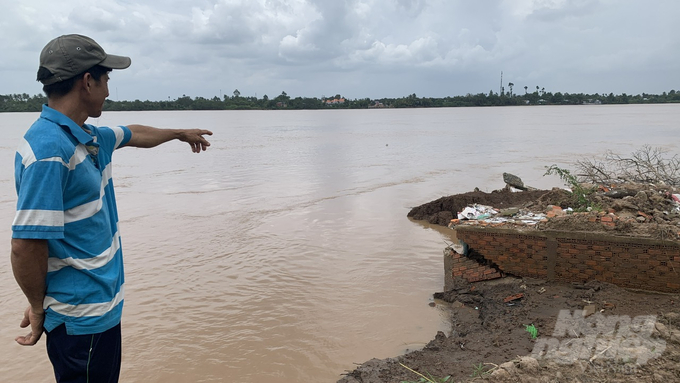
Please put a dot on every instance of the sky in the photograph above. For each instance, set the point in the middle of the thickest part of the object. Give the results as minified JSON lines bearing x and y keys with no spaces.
{"x":355,"y":48}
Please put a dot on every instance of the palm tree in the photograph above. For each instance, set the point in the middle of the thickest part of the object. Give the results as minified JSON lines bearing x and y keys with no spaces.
{"x":526,"y":89}
{"x":510,"y":85}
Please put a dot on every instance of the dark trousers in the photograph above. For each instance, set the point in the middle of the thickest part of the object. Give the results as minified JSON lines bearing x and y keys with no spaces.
{"x":91,"y":358}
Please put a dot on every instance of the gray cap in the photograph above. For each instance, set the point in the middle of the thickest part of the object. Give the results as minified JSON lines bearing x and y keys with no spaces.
{"x":70,"y":55}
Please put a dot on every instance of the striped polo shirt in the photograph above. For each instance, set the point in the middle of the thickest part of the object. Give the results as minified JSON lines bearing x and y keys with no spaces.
{"x":65,"y":196}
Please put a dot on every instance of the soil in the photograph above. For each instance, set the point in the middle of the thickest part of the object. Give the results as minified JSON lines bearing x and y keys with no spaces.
{"x":488,"y":339}
{"x":488,"y":332}
{"x":636,"y":210}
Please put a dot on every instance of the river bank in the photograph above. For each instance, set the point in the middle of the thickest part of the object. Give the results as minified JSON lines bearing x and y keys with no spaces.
{"x":492,"y":321}
{"x":487,"y":332}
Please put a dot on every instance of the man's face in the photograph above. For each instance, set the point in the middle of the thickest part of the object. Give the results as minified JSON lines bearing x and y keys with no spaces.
{"x":100,"y":91}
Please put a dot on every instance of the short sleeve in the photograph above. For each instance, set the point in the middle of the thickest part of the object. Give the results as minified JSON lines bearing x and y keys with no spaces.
{"x":40,"y":188}
{"x":111,"y":139}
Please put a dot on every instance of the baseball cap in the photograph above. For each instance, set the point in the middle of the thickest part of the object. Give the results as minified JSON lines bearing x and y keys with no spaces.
{"x":70,"y":55}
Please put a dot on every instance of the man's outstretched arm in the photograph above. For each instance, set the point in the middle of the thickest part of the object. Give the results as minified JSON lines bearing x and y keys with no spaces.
{"x":29,"y":264}
{"x":147,"y":137}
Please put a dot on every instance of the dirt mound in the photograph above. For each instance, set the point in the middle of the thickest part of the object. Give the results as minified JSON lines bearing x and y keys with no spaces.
{"x":632,"y":209}
{"x":443,"y":210}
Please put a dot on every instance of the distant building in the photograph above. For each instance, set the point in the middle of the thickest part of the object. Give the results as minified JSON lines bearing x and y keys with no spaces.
{"x":335,"y":101}
{"x":377,"y":104}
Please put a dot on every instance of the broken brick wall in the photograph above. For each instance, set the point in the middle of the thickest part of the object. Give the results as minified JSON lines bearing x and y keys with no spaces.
{"x":470,"y":270}
{"x":575,"y":257}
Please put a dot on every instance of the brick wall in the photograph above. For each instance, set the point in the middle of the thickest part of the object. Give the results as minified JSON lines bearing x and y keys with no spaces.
{"x":571,"y":257}
{"x":470,"y":270}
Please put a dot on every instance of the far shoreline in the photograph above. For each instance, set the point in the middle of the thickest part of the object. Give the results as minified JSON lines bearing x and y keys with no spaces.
{"x":27,"y":103}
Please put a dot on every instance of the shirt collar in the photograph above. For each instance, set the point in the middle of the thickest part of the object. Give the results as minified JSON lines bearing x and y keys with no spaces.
{"x":62,"y":120}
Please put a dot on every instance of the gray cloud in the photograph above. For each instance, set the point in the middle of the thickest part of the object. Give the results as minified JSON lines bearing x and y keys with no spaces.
{"x":359,"y":48}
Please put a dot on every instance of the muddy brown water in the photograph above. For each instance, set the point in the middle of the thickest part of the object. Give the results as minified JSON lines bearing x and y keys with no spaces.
{"x":284,"y":253}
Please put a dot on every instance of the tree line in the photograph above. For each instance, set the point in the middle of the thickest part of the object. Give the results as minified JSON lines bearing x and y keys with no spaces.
{"x":26,"y":103}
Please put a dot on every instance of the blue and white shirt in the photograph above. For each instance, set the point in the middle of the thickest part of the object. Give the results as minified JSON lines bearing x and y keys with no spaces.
{"x":65,"y":196}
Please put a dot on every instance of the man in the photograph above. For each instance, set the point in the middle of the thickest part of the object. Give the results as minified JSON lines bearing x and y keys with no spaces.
{"x":66,"y":252}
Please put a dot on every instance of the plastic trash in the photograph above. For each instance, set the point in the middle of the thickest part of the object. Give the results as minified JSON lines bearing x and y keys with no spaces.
{"x":477,"y":211}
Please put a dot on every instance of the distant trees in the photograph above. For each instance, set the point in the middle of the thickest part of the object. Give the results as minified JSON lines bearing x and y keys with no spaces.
{"x":21,"y":102}
{"x":26,"y":103}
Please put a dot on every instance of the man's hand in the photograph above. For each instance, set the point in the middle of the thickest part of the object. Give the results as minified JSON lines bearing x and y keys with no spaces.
{"x":35,"y":320}
{"x":29,"y":264}
{"x":195,"y":139}
{"x":147,"y":137}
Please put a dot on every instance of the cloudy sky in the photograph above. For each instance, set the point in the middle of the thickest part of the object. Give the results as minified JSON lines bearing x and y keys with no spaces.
{"x":357,"y":48}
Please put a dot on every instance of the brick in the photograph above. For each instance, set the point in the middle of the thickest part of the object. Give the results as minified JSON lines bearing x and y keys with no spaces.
{"x":636,"y":250}
{"x":622,"y":263}
{"x":513,"y":297}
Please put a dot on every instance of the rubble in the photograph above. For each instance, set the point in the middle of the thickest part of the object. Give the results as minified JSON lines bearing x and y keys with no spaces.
{"x":640,"y":210}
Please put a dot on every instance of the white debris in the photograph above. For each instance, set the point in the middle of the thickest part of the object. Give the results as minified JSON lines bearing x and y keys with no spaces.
{"x":477,"y":211}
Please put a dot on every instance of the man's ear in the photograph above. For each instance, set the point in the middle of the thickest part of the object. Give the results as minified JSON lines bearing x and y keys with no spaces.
{"x":87,"y":82}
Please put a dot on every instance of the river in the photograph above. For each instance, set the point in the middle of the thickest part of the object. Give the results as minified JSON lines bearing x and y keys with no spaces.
{"x":283,"y":253}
